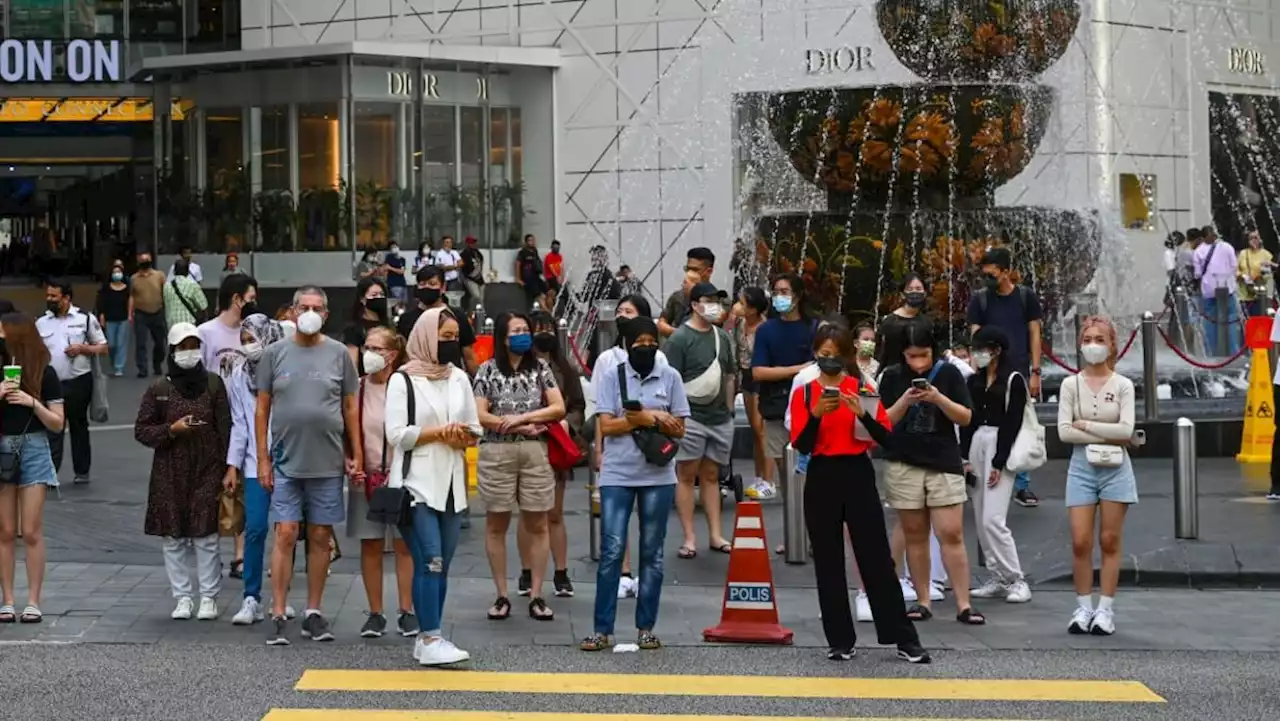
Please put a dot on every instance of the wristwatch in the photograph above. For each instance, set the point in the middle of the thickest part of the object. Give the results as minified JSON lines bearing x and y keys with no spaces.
{"x":1035,"y":371}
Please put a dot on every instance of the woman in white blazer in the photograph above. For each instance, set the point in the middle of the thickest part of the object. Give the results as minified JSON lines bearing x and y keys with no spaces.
{"x":433,"y":444}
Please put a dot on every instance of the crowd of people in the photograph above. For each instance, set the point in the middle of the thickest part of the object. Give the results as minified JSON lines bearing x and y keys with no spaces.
{"x":1206,"y":266}
{"x":262,"y":424}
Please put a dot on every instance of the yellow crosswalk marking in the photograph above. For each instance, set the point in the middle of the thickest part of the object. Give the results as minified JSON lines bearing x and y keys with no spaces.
{"x":936,"y":689}
{"x":405,"y":715}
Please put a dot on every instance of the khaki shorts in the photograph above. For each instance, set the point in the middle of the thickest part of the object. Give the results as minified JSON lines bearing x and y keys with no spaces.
{"x":910,"y":488}
{"x":776,"y":438}
{"x":515,"y":474}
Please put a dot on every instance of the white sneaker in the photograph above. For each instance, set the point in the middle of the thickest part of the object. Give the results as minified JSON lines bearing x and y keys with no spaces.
{"x":761,"y":491}
{"x":908,"y":591}
{"x":440,"y":652}
{"x":208,"y":609}
{"x":183,"y":610}
{"x":993,"y":588}
{"x":1081,"y":620}
{"x":1104,"y":622}
{"x":936,"y":591}
{"x":1019,"y":592}
{"x":250,"y":613}
{"x":862,"y":607}
{"x":627,"y":587}
{"x":289,"y":612}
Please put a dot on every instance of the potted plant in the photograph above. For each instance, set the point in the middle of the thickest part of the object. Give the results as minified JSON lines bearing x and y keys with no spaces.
{"x":275,"y":218}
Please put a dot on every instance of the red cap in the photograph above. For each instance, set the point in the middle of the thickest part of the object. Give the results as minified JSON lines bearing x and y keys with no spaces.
{"x":471,"y":240}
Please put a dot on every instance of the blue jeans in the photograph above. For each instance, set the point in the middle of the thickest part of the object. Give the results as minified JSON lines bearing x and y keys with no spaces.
{"x":615,"y":516}
{"x":257,"y":504}
{"x":432,"y":537}
{"x":1022,"y":481}
{"x":1211,"y":326}
{"x":118,"y":343}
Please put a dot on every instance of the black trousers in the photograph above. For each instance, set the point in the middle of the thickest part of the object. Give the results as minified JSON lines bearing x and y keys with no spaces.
{"x":1275,"y":443}
{"x":76,"y":394}
{"x":150,"y":324}
{"x":840,"y":492}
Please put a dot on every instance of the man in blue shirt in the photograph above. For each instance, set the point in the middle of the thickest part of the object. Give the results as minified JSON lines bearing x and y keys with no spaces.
{"x":396,"y":284}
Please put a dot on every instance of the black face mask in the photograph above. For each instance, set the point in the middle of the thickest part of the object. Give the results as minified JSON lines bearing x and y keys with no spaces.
{"x":993,"y":283}
{"x":429,"y":296}
{"x":831,"y":366}
{"x":449,"y":351}
{"x":643,"y":358}
{"x":144,"y":264}
{"x":915,"y":299}
{"x":545,"y":342}
{"x":377,"y":305}
{"x":248,"y":309}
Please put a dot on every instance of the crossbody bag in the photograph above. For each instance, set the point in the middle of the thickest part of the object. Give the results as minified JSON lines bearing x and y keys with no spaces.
{"x":706,"y":386}
{"x":1099,"y":455}
{"x":654,"y":445}
{"x":391,"y":505}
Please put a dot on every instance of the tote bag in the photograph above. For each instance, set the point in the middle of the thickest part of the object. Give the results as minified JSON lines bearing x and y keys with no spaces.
{"x":1028,"y":452}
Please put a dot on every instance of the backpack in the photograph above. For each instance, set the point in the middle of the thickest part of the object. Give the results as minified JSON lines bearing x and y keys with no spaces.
{"x":1021,"y":291}
{"x":162,"y":387}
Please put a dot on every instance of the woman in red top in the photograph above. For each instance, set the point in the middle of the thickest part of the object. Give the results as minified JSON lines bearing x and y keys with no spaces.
{"x":832,"y":422}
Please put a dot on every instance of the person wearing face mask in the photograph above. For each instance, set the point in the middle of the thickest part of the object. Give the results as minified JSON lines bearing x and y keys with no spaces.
{"x":865,"y":341}
{"x":368,"y":311}
{"x":257,"y":333}
{"x":186,"y":418}
{"x":430,"y":294}
{"x":750,"y":310}
{"x":146,"y":310}
{"x":999,"y":396}
{"x":395,"y":267}
{"x":892,"y":328}
{"x":307,"y":391}
{"x":113,"y":315}
{"x":635,"y":396}
{"x":367,"y":266}
{"x":698,"y":268}
{"x":72,"y":336}
{"x":1096,"y":416}
{"x":704,"y":356}
{"x":220,"y":336}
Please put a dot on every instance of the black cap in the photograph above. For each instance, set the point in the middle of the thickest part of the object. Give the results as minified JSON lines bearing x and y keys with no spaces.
{"x":706,"y":290}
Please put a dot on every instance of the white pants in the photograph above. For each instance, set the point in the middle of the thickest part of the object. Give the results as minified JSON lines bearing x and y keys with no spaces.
{"x":178,"y":553}
{"x":991,"y":507}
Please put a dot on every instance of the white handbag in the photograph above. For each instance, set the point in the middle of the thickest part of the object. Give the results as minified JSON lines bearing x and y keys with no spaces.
{"x":705,"y":387}
{"x":1028,"y":452}
{"x":1099,"y":455}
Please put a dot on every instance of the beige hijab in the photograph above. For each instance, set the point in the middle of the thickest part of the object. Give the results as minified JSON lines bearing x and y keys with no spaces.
{"x":423,"y":347}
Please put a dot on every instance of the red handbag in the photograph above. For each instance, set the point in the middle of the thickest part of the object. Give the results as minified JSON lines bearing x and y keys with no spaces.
{"x":373,"y":480}
{"x":562,"y":452}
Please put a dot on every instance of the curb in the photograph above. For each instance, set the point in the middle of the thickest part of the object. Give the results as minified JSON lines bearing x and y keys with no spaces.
{"x":1183,"y":579}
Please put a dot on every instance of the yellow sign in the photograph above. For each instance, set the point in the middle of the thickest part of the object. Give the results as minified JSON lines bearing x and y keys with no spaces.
{"x":1259,"y":416}
{"x":84,"y":110}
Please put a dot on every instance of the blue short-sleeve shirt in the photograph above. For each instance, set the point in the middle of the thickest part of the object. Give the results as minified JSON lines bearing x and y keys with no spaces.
{"x":623,"y":464}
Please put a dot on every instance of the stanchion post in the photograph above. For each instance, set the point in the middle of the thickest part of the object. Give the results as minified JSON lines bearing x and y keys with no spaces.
{"x":593,"y":489}
{"x":1222,"y":297}
{"x":1149,"y":380}
{"x":793,"y":530}
{"x":606,"y":330}
{"x":1182,"y":319}
{"x":1186,"y":509}
{"x":479,"y":316}
{"x":562,"y":335}
{"x":1086,"y":305}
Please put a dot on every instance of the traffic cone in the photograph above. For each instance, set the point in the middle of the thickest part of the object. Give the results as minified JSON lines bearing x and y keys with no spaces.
{"x":1259,"y":411}
{"x":750,"y":610}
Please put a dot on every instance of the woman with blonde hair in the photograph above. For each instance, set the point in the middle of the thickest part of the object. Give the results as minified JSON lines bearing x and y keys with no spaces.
{"x":1096,"y":415}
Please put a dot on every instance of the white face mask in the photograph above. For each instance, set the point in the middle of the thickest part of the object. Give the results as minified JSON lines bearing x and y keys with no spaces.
{"x":186,"y":359}
{"x":373,"y":362}
{"x":980,"y":359}
{"x":1095,"y":353}
{"x":712,"y":311}
{"x":289,"y":328}
{"x":252,"y":351}
{"x":309,"y":323}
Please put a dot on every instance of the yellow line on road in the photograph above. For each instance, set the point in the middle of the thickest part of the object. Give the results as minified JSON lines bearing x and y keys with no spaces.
{"x":939,"y":689}
{"x":424,"y":715}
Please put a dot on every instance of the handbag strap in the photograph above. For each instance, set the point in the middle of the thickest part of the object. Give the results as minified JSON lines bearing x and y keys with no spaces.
{"x":384,"y":426}
{"x":622,"y":382}
{"x":177,"y":291}
{"x":413,"y":416}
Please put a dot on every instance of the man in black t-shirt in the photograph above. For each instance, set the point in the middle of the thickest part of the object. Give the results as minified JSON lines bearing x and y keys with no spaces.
{"x":473,"y":272}
{"x":529,"y":271}
{"x":430,"y":294}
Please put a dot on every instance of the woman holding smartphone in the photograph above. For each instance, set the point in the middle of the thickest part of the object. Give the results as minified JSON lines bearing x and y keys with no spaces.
{"x":30,"y":409}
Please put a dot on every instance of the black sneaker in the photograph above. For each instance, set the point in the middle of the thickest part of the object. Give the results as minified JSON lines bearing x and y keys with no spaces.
{"x":374,"y":626}
{"x":466,"y":519}
{"x":526,"y":580}
{"x":563,"y":586}
{"x":407,"y":623}
{"x":276,"y":637}
{"x":1026,"y":499}
{"x":913,"y":652}
{"x":316,"y":628}
{"x":841,"y":654}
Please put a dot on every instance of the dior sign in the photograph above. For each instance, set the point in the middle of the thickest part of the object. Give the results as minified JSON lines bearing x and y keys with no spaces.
{"x":400,"y":85}
{"x":844,"y":59}
{"x":1246,"y":62}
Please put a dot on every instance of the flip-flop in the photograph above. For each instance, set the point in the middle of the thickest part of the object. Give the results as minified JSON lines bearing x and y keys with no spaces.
{"x":916,"y":612}
{"x":8,"y":614}
{"x":971,"y":617}
{"x":687,"y":553}
{"x":725,"y":548}
{"x":31,"y":614}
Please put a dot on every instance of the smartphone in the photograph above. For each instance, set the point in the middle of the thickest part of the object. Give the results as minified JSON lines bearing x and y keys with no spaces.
{"x":632,"y":406}
{"x":920,"y":384}
{"x":1140,"y":437}
{"x":830,"y":392}
{"x":193,"y":422}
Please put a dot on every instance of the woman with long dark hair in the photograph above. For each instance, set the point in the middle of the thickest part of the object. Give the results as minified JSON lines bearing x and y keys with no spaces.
{"x":369,"y":310}
{"x":891,"y":334}
{"x":30,"y":409}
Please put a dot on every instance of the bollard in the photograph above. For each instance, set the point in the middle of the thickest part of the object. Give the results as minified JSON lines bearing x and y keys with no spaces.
{"x":488,"y":326}
{"x":793,"y":530}
{"x":1182,"y":320}
{"x":536,"y":307}
{"x":562,"y":337}
{"x":1222,"y":343}
{"x":594,"y":521}
{"x":1186,"y":509}
{"x":480,"y":318}
{"x":1149,"y":379}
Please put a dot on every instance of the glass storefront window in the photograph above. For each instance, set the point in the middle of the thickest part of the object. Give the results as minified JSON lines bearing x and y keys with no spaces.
{"x":224,"y":143}
{"x":212,"y":25}
{"x":228,"y":193}
{"x":273,"y":151}
{"x":516,"y":231}
{"x":96,"y":18}
{"x":378,"y":149}
{"x":37,"y":19}
{"x":467,"y":199}
{"x":322,"y":210}
{"x":155,"y":20}
{"x":438,"y":167}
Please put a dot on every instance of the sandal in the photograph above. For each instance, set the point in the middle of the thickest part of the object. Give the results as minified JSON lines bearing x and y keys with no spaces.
{"x":8,"y":614}
{"x":595,"y":642}
{"x":500,"y":610}
{"x":539,"y":611}
{"x":687,"y":553}
{"x":31,"y":614}
{"x":725,"y":548}
{"x":647,"y":641}
{"x":916,"y":612}
{"x":971,"y":617}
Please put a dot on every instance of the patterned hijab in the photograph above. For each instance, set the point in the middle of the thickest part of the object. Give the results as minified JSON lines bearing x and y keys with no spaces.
{"x":424,"y":347}
{"x":265,"y":331}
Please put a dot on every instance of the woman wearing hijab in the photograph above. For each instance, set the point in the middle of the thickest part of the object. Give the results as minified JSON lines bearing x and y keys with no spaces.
{"x":257,"y":332}
{"x":429,"y":462}
{"x":186,"y":418}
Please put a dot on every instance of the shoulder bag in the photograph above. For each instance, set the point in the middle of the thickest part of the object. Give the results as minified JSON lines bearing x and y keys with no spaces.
{"x":1099,"y":455}
{"x":196,"y":314}
{"x":391,"y":505}
{"x":655,"y":446}
{"x":11,"y":461}
{"x":1028,"y":452}
{"x":706,"y":386}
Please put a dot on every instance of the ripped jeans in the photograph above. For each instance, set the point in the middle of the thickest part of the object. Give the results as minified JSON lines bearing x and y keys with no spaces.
{"x":432,"y":537}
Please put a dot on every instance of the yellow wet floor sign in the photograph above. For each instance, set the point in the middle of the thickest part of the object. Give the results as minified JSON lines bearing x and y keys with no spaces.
{"x":1259,"y":409}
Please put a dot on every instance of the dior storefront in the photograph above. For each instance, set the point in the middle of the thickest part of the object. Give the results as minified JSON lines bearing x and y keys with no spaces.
{"x":305,"y":155}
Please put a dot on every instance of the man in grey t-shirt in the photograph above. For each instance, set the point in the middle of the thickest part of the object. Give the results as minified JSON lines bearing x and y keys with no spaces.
{"x":704,"y":356}
{"x":307,"y":391}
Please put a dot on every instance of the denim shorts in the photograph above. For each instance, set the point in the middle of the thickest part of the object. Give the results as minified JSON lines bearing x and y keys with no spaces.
{"x":322,"y":498}
{"x":1088,"y":484}
{"x":35,"y":465}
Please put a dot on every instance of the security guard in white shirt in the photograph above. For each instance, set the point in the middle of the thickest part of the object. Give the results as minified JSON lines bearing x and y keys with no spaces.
{"x":71,"y":335}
